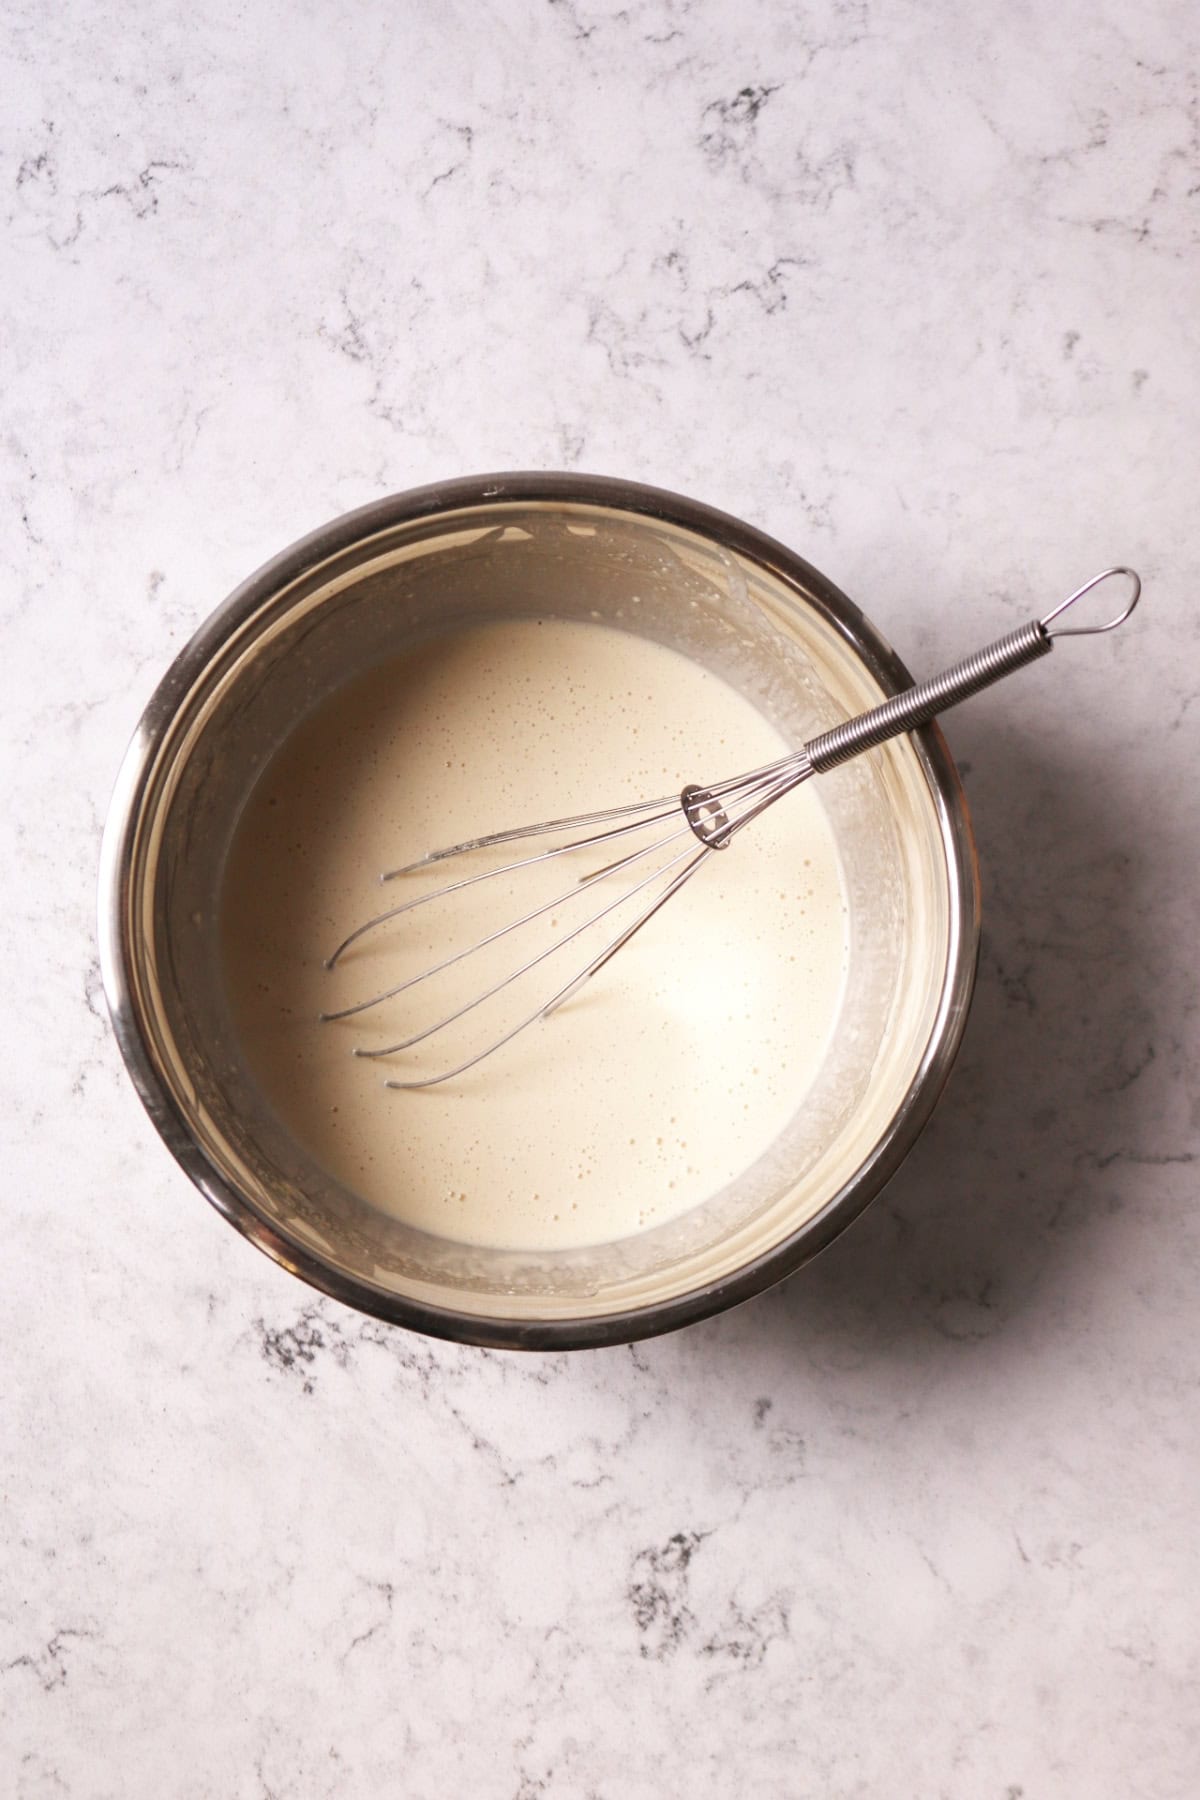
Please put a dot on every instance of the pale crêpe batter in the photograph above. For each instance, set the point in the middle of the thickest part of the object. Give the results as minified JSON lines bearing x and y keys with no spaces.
{"x":669,"y":1073}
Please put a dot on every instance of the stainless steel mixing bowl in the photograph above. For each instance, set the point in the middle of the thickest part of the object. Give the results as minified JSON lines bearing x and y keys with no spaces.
{"x":438,"y":558}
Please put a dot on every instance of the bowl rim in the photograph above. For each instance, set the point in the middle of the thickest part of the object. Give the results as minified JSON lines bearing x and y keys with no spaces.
{"x":631,"y":1324}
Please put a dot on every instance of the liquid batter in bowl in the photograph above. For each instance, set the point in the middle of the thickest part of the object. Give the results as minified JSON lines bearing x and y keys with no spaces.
{"x":383,"y":687}
{"x":666,"y":1077}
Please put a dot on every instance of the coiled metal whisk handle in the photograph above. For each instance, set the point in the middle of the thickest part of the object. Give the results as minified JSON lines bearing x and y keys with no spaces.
{"x":917,"y":705}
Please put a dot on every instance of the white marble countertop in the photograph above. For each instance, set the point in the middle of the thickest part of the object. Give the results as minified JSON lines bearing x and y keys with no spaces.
{"x":914,"y":288}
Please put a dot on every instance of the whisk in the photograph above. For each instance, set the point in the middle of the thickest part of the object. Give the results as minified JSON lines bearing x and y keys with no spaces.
{"x":685,"y":831}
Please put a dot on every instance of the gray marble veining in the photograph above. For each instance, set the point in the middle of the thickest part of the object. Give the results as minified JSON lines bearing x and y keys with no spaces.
{"x":913,"y":287}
